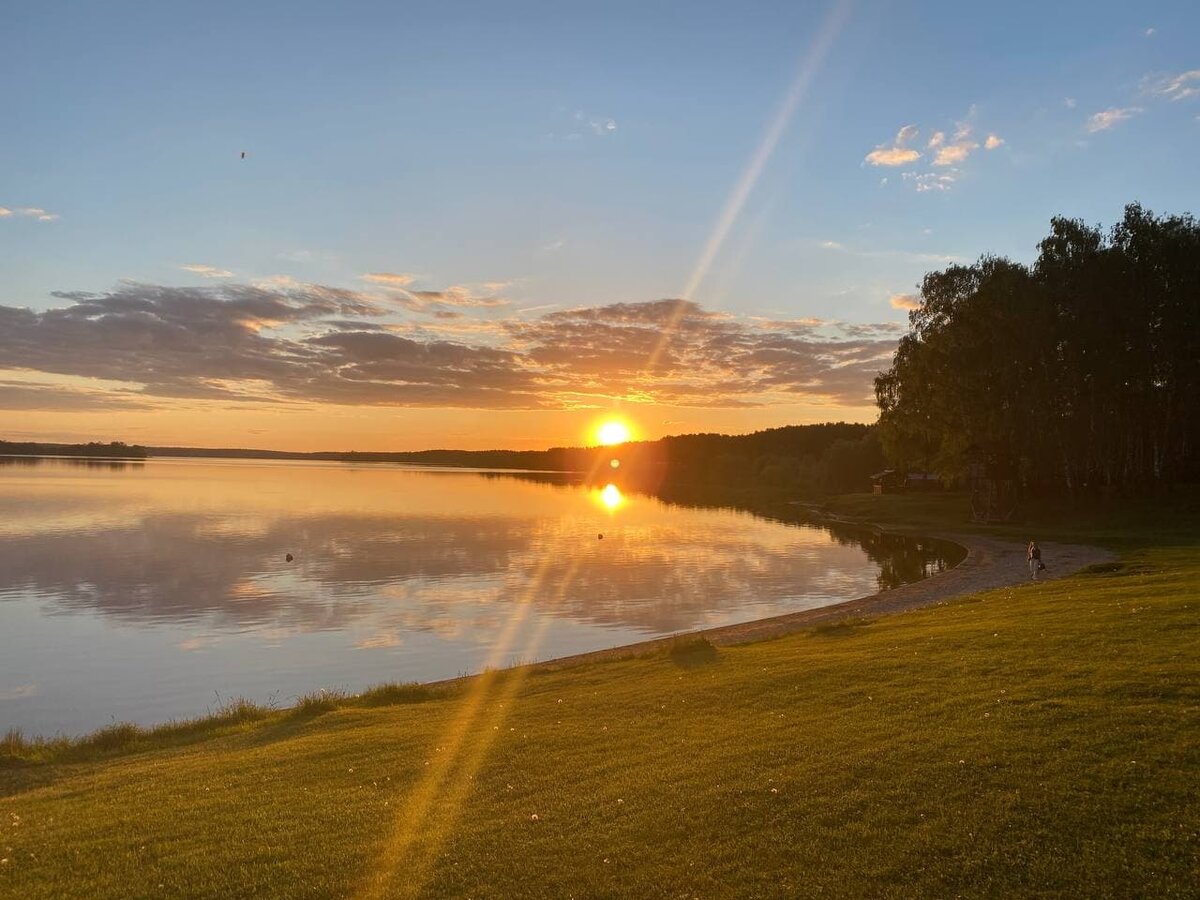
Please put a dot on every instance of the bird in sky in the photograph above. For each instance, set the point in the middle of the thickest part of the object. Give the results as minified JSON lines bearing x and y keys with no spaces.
{"x":243,"y":154}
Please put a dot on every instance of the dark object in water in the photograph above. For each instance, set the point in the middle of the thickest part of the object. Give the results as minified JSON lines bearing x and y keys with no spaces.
{"x":289,"y":557}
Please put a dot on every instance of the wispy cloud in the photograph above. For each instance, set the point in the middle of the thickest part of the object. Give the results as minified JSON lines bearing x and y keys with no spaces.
{"x":28,"y":212}
{"x":1173,"y":87}
{"x":993,"y":141}
{"x":602,"y":126}
{"x":20,"y":692}
{"x":1150,"y":32}
{"x":904,"y":255}
{"x":400,"y":292}
{"x":206,"y":271}
{"x":390,"y":279}
{"x":933,"y":181}
{"x":1106,"y":119}
{"x":1069,"y":102}
{"x":463,"y":295}
{"x":583,"y":123}
{"x":898,"y":153}
{"x":27,"y":395}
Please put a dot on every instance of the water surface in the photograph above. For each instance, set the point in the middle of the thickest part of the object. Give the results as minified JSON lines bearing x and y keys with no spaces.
{"x":149,"y":591}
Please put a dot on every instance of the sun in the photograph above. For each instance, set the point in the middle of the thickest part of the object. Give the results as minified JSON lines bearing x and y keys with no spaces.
{"x":613,"y":431}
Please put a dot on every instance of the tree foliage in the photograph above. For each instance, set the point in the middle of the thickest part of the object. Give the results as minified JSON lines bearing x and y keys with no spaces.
{"x":1077,"y":374}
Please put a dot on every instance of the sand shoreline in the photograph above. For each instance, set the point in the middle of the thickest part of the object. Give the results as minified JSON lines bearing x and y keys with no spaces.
{"x":989,"y":563}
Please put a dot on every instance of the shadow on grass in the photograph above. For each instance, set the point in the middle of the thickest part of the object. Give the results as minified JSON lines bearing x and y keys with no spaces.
{"x":692,"y":652}
{"x":840,"y":627}
{"x":1116,"y":569}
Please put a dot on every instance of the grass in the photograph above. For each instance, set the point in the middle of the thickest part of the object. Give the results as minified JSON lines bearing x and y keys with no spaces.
{"x":1039,"y":740}
{"x":17,"y":750}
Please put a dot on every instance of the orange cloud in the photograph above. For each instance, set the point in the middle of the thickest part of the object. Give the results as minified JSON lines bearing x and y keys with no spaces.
{"x":390,"y":279}
{"x":897,"y":153}
{"x":207,"y":271}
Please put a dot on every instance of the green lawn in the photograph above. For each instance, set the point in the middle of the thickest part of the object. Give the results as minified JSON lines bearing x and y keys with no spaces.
{"x":1036,"y":740}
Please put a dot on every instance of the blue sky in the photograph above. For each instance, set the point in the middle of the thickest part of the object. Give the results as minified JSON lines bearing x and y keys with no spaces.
{"x":571,"y":155}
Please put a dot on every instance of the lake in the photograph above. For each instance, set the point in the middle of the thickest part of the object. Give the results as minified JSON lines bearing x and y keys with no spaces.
{"x":155,"y":590}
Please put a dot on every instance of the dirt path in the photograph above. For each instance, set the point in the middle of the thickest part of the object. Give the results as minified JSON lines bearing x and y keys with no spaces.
{"x":990,"y":563}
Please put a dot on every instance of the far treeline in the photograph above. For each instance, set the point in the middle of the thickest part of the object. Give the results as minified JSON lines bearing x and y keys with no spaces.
{"x":112,"y":450}
{"x":1076,"y":375}
{"x":797,"y":460}
{"x":807,"y":460}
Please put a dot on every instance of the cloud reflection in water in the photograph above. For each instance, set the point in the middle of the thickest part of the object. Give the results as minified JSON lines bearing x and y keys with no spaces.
{"x":398,"y":574}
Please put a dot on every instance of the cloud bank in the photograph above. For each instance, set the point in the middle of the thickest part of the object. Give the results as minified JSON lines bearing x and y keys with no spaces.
{"x":295,"y":343}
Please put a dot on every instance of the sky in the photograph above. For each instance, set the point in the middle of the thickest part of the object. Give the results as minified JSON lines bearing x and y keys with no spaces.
{"x":492,"y":225}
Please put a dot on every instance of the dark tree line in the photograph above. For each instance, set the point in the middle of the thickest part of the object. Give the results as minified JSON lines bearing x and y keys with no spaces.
{"x":115,"y":449}
{"x":799,"y":460}
{"x":802,"y":460}
{"x":1078,"y":374}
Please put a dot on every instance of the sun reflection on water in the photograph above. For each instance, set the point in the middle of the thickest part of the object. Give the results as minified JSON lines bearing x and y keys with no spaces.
{"x":611,"y":497}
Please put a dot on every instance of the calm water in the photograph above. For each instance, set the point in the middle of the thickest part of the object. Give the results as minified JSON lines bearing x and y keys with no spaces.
{"x":146,"y":591}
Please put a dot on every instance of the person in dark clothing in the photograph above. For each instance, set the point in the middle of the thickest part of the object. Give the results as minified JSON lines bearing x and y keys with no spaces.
{"x":1034,"y":555}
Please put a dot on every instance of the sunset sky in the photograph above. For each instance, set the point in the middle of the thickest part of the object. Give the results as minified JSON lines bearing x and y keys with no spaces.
{"x":490,"y":225}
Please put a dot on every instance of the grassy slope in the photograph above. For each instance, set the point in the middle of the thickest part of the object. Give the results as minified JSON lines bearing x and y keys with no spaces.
{"x":1042,"y":739}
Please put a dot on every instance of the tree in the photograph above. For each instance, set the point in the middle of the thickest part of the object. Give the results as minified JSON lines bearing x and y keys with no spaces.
{"x":1079,"y":373}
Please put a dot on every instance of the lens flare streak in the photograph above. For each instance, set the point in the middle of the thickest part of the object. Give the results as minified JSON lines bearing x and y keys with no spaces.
{"x":813,"y":59}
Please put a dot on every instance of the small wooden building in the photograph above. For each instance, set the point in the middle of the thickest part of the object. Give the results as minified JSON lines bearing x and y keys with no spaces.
{"x":893,"y":481}
{"x":889,"y":481}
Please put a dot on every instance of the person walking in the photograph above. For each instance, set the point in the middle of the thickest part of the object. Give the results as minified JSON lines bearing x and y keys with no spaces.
{"x":1034,"y":555}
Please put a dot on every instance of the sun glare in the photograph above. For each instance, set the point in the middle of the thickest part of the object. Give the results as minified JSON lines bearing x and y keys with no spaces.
{"x":611,"y":496}
{"x":612,"y":431}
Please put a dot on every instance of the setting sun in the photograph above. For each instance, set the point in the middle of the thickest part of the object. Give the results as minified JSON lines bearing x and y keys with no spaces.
{"x":613,"y":431}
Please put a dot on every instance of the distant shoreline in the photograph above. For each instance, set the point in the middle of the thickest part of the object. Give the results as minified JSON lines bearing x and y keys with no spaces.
{"x":791,"y":460}
{"x":410,"y":465}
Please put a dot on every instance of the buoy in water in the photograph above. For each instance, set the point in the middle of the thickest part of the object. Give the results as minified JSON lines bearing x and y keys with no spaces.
{"x":599,"y":537}
{"x":289,"y":557}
